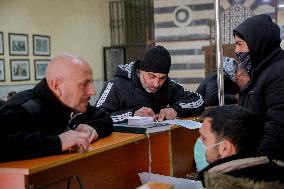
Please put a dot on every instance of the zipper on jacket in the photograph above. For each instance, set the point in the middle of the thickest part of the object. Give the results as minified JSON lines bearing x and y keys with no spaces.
{"x":71,"y":125}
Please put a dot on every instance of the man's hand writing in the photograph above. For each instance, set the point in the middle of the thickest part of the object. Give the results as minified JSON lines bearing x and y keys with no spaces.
{"x":144,"y":111}
{"x":166,"y":113}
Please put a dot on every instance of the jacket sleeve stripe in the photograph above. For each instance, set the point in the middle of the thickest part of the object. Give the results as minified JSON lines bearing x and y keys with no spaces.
{"x":104,"y":95}
{"x":121,"y":117}
{"x":127,"y":68}
{"x":195,"y":104}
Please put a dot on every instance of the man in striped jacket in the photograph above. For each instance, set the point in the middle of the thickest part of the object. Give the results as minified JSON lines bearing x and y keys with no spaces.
{"x":143,"y":88}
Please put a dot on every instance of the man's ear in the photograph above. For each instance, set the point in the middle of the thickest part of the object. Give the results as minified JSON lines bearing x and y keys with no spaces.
{"x":55,"y":87}
{"x":227,"y":149}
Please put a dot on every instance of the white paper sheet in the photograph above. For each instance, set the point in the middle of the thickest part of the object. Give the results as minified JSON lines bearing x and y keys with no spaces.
{"x":179,"y":183}
{"x":139,"y":120}
{"x":184,"y":123}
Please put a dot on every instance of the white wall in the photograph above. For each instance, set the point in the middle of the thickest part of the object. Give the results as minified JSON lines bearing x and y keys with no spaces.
{"x":76,"y":26}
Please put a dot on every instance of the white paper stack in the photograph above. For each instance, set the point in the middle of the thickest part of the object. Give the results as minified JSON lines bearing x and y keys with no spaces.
{"x":138,"y":120}
{"x":189,"y":124}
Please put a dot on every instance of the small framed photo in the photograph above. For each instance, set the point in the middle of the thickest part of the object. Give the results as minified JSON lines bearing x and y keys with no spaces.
{"x":20,"y":69}
{"x":2,"y":70}
{"x":1,"y":44}
{"x":18,"y":44}
{"x":41,"y":44}
{"x":40,"y":68}
{"x":113,"y":56}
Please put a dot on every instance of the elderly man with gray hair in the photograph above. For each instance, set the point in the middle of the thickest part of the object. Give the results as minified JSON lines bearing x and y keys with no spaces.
{"x":55,"y":115}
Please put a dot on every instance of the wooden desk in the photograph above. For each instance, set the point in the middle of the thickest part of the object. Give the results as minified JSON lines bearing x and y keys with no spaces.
{"x":113,"y":162}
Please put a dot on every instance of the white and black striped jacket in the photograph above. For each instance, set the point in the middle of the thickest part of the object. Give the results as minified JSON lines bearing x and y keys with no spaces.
{"x":124,"y":94}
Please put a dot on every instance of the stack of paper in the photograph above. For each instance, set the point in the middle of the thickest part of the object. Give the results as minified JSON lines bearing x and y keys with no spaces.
{"x":138,"y":120}
{"x":189,"y":124}
{"x":149,"y":128}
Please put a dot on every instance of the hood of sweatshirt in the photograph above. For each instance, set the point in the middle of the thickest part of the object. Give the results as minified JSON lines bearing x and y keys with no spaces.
{"x":126,"y":70}
{"x":262,"y":36}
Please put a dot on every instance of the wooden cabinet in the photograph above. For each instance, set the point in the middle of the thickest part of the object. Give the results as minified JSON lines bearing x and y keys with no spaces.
{"x":112,"y":162}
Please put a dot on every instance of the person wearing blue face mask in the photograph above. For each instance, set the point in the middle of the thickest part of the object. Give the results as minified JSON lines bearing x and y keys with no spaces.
{"x":257,"y":41}
{"x":208,"y":88}
{"x":220,"y":134}
{"x":228,"y":136}
{"x":200,"y":153}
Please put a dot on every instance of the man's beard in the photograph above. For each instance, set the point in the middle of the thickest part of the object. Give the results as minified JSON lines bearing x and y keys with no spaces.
{"x":145,"y":86}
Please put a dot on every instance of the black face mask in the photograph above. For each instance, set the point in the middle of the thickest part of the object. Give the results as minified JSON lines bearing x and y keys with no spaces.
{"x":245,"y":60}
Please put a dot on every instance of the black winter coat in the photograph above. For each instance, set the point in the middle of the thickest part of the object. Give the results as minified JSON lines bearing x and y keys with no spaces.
{"x":124,"y":94}
{"x":208,"y":89}
{"x":32,"y":120}
{"x":265,"y":92}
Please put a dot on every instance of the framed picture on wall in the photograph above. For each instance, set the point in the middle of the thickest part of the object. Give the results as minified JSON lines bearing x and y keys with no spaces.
{"x":18,"y":44}
{"x":1,"y":44}
{"x":41,"y":45}
{"x":40,"y":68}
{"x":113,"y":56}
{"x":2,"y":70}
{"x":20,"y":69}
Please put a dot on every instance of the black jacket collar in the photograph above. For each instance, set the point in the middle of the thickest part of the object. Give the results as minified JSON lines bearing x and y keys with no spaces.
{"x":42,"y":91}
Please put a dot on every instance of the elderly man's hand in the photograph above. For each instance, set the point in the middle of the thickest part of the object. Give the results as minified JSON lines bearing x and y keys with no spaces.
{"x":74,"y":140}
{"x":92,"y":133}
{"x":144,"y":111}
{"x":166,"y":113}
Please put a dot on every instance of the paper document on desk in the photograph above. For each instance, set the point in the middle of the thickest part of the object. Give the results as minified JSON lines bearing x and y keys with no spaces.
{"x":189,"y":124}
{"x":140,"y":120}
{"x":179,"y":183}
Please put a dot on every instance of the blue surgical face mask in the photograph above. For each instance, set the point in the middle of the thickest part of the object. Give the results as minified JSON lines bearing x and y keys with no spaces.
{"x":200,"y":154}
{"x":245,"y":60}
{"x":230,"y":66}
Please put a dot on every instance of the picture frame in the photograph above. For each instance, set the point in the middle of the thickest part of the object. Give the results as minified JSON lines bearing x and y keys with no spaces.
{"x":41,"y":45}
{"x":20,"y":69}
{"x":113,"y":56}
{"x":18,"y":44}
{"x":2,"y":70}
{"x":1,"y":44}
{"x":40,"y":68}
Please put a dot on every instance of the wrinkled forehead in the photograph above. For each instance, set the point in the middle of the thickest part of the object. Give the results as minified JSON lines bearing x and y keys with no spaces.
{"x":158,"y":75}
{"x":79,"y":72}
{"x":82,"y":70}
